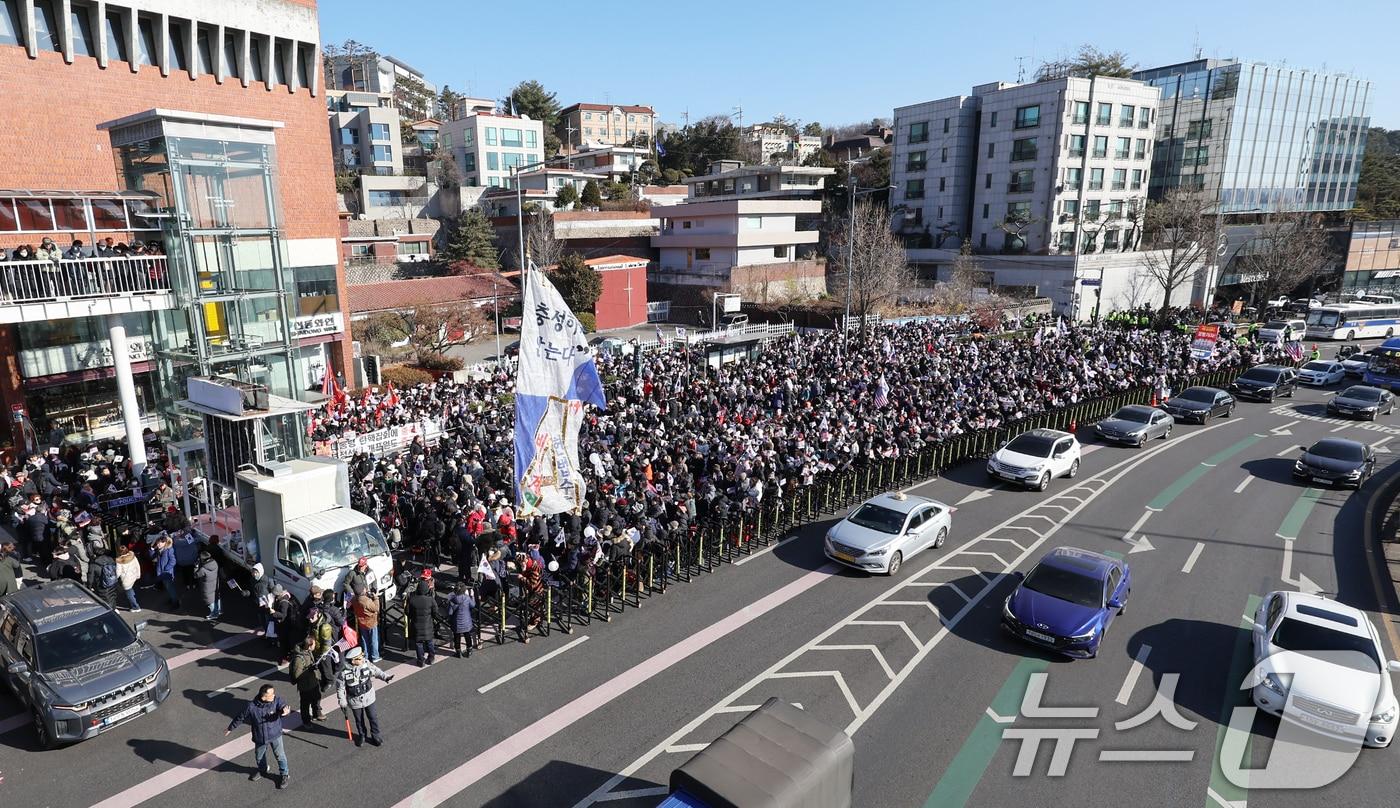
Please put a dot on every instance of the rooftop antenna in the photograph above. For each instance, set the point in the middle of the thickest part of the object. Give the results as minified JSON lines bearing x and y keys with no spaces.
{"x":1196,"y":43}
{"x":1020,"y":70}
{"x":739,"y":115}
{"x":686,"y":116}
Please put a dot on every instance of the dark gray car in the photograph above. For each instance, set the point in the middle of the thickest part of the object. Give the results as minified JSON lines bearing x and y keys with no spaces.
{"x":1336,"y":461}
{"x":75,"y":663}
{"x":1199,"y":404}
{"x":1134,"y":425}
{"x":1362,"y":401}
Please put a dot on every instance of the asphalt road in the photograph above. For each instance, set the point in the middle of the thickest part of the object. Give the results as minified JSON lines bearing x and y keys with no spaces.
{"x":914,"y":666}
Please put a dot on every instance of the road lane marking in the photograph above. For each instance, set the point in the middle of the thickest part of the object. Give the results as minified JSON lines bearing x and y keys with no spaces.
{"x":1379,"y":445}
{"x":1185,"y":481}
{"x":1284,"y":429}
{"x":247,"y":680}
{"x":1293,"y":521}
{"x":1136,"y":525}
{"x":1125,"y":693}
{"x":1191,"y":559}
{"x":508,"y":750}
{"x":1287,"y":450}
{"x":529,"y":666}
{"x":637,"y":794}
{"x":765,"y":551}
{"x":1340,"y":428}
{"x":1243,"y":483}
{"x":1221,"y":790}
{"x":1146,"y":756}
{"x":879,"y":657}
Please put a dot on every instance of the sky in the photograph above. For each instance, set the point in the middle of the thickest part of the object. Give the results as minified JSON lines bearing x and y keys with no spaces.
{"x":842,"y":62}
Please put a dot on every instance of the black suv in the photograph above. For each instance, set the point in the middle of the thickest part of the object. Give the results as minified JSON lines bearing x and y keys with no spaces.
{"x":75,"y":663}
{"x":1266,"y":382}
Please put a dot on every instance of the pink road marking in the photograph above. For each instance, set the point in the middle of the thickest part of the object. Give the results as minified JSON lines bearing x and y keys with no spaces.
{"x":462,"y":777}
{"x":192,"y":768}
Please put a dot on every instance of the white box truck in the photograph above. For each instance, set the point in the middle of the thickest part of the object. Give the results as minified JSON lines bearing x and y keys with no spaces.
{"x":295,"y":518}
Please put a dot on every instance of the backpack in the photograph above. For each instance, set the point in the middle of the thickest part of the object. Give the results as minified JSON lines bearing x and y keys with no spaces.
{"x":109,"y":575}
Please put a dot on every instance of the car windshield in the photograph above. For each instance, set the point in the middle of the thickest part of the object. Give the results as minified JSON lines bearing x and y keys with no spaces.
{"x":1137,"y":415}
{"x":343,"y":549}
{"x":76,"y":644}
{"x":1359,"y":393}
{"x":1201,"y":394}
{"x":1065,"y":585}
{"x":1308,"y":638}
{"x":877,"y":517}
{"x":1336,"y":450}
{"x":1260,"y":375}
{"x":1320,"y":367}
{"x":1322,"y":318}
{"x":1033,"y":445}
{"x":1276,"y":325}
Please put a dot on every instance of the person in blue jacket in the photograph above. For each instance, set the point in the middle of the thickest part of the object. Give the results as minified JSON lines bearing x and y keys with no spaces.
{"x":264,"y":715}
{"x":164,"y":555}
{"x":459,"y":612}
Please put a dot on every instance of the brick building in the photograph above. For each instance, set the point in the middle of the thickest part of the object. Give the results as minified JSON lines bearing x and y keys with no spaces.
{"x":205,"y":135}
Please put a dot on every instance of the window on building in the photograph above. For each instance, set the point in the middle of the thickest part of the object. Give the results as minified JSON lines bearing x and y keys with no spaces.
{"x":942,"y":184}
{"x":991,"y":150}
{"x":751,"y":222}
{"x":1018,"y":211}
{"x":46,"y":31}
{"x":1081,"y":111}
{"x":780,"y":251}
{"x":360,"y":250}
{"x":987,"y":183}
{"x":10,"y":29}
{"x":531,"y":139}
{"x":469,"y":162}
{"x":940,"y":212}
{"x":1105,"y":114}
{"x":1120,"y":179}
{"x":1091,"y":210}
{"x":993,"y":122}
{"x":491,"y":136}
{"x":1074,"y":177}
{"x":702,"y":253}
{"x":1096,"y":179}
{"x":1066,"y":241}
{"x":1100,"y":146}
{"x":511,"y":137}
{"x":349,"y":136}
{"x":256,"y":68}
{"x":588,"y":116}
{"x":1090,"y":244}
{"x":383,"y":154}
{"x":1022,"y":149}
{"x":80,"y":23}
{"x":1076,"y":145}
{"x":1022,"y":181}
{"x":349,"y":156}
{"x":944,"y":155}
{"x":177,"y":56}
{"x":986,"y":210}
{"x":306,"y":57}
{"x":1125,"y":115}
{"x":1144,"y":117}
{"x":914,"y":189}
{"x":1196,"y":156}
{"x":113,"y":28}
{"x":233,"y":44}
{"x":493,"y":161}
{"x":1123,"y":146}
{"x":1026,"y":117}
{"x":379,"y":131}
{"x":280,"y":61}
{"x":1110,"y":239}
{"x":1199,"y":130}
{"x":386,"y":199}
{"x":917,"y":161}
{"x":1140,"y":153}
{"x":686,"y":224}
{"x":1137,"y":180}
{"x":205,"y":52}
{"x":918,"y":132}
{"x":1115,"y":209}
{"x":1070,"y":208}
{"x":468,"y":137}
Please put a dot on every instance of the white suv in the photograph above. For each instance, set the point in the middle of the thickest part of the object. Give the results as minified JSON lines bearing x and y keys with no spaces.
{"x":1322,"y":660}
{"x":1033,"y":458}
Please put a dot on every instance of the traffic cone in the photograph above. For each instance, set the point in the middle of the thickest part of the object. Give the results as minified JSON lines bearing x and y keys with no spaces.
{"x":1154,"y":399}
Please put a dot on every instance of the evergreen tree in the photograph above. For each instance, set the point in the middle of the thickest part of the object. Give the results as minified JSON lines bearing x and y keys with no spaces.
{"x":578,"y":283}
{"x":592,"y":196}
{"x":472,"y":241}
{"x":565,"y":199}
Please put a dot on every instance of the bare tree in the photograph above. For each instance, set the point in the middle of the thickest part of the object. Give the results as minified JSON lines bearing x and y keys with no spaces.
{"x":878,"y":269}
{"x":440,"y":327}
{"x":1179,"y":233}
{"x":544,"y":249}
{"x":1289,"y":249}
{"x":1016,"y":227}
{"x":965,"y":278}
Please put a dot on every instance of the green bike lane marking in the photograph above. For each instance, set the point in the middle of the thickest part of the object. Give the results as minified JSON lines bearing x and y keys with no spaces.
{"x":1184,"y":482}
{"x":1293,"y":522}
{"x":961,"y":777}
{"x":1222,"y":792}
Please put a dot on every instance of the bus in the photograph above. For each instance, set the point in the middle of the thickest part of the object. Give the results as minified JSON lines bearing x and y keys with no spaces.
{"x":1383,"y":371}
{"x":1353,"y":321}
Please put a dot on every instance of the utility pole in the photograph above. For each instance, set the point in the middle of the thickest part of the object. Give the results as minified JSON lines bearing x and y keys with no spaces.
{"x":850,"y":251}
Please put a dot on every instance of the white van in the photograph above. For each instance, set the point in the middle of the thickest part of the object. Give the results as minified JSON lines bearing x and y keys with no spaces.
{"x":1285,"y":330}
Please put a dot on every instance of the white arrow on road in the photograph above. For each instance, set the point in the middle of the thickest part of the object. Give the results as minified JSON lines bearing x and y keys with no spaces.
{"x":1142,"y":545}
{"x":981,"y":493}
{"x":1303,"y":582}
{"x":1222,"y":802}
{"x":1379,"y":445}
{"x":1000,"y":719}
{"x":1283,"y":430}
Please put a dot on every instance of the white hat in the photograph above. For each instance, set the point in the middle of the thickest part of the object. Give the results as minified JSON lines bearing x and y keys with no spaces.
{"x":355,"y":653}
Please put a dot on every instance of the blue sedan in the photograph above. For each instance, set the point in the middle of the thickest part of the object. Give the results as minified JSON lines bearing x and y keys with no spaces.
{"x":1067,"y":601}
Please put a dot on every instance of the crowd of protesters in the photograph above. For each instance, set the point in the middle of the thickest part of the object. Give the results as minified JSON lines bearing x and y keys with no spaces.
{"x":50,"y":271}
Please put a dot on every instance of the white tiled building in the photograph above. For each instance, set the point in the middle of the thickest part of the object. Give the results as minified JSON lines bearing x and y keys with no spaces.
{"x":488,"y":145}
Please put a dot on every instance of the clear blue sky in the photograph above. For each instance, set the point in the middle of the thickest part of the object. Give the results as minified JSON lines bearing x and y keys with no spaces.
{"x":842,"y":62}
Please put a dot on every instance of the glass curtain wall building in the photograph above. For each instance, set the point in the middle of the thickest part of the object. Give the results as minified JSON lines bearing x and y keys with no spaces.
{"x":1260,"y":138}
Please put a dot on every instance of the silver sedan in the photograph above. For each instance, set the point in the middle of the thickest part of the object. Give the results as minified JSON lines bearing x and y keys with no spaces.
{"x":1134,"y":425}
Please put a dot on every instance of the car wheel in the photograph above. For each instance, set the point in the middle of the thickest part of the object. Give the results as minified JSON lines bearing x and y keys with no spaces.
{"x":896,"y":561}
{"x":41,"y":730}
{"x":1229,"y":410}
{"x":1291,"y":391}
{"x":942,"y":537}
{"x":1351,"y":336}
{"x":1167,"y":434}
{"x":1044,"y":482}
{"x":1389,"y":332}
{"x":1124,"y":607}
{"x":1140,"y":441}
{"x":1074,"y":467}
{"x":1373,"y":416}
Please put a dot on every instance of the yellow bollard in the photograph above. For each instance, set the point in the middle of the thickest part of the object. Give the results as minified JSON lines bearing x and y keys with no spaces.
{"x":651,"y":573}
{"x":503,"y":611}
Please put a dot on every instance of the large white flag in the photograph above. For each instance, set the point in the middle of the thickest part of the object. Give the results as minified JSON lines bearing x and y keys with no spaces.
{"x":555,"y":378}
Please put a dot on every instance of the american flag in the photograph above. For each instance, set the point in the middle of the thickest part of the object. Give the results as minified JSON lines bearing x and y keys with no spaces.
{"x":1295,"y":350}
{"x":882,"y":393}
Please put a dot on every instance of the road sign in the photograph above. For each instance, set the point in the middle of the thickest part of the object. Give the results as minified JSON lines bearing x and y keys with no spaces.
{"x":1091,"y":281}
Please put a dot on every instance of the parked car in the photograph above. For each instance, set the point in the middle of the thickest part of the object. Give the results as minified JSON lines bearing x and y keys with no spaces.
{"x":1355,"y":363}
{"x":1285,"y":330}
{"x":1034,"y":458}
{"x":888,"y":530}
{"x":1265,"y":382}
{"x":1199,"y":404}
{"x":1068,"y":600}
{"x":1134,"y":425}
{"x":1362,"y":401}
{"x":1336,"y":461}
{"x":1321,"y":372}
{"x":75,"y":664}
{"x":1324,"y":658}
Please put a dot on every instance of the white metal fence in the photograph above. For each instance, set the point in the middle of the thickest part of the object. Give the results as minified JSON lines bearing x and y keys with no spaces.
{"x":35,"y":281}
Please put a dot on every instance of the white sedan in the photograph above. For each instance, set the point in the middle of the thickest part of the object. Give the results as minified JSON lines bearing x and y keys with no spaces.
{"x":886,"y":531}
{"x":1322,"y":372}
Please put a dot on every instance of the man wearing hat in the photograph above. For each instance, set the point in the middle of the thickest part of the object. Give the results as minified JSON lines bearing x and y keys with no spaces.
{"x":354,"y":689}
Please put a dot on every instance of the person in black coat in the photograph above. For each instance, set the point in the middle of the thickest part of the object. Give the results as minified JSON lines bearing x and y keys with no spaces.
{"x":459,"y":613}
{"x":102,"y":574}
{"x":206,"y":578}
{"x":422,"y":620}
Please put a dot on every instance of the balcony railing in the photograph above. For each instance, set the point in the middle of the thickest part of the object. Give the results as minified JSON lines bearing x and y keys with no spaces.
{"x":1076,"y":152}
{"x":1118,"y":185}
{"x":1100,"y":153}
{"x":85,"y":278}
{"x":1096,"y":186}
{"x":1020,"y":187}
{"x":1121,"y":154}
{"x":1143,"y":123}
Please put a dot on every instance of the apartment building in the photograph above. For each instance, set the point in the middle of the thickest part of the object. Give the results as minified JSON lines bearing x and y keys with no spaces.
{"x":371,"y":72}
{"x":214,"y":149}
{"x":582,"y":125}
{"x":782,"y":142}
{"x":934,"y":161}
{"x":491,"y":147}
{"x":609,"y":163}
{"x":365,"y":132}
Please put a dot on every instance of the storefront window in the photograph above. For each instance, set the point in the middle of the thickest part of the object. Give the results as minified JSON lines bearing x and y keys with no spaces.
{"x":315,"y":291}
{"x":88,"y":410}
